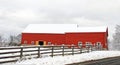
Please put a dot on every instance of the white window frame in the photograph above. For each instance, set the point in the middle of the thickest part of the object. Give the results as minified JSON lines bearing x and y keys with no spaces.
{"x":49,"y":43}
{"x":32,"y":42}
{"x":80,"y":43}
{"x":88,"y":43}
{"x":98,"y":43}
{"x":25,"y":42}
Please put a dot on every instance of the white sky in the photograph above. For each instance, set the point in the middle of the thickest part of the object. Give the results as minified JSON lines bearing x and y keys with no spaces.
{"x":15,"y":15}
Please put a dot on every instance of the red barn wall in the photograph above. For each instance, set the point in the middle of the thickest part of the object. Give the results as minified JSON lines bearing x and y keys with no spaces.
{"x":53,"y":38}
{"x":67,"y":39}
{"x":74,"y":38}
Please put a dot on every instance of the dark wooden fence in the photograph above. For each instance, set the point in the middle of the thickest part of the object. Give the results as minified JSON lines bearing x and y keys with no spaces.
{"x":13,"y":54}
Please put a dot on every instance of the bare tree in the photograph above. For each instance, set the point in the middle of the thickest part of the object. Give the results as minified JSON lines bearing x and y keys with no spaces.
{"x":0,"y":40}
{"x":3,"y":41}
{"x":116,"y":38}
{"x":11,"y":40}
{"x":14,"y":40}
{"x":18,"y":38}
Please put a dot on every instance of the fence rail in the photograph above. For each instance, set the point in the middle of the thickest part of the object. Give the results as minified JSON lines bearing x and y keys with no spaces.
{"x":12,"y":54}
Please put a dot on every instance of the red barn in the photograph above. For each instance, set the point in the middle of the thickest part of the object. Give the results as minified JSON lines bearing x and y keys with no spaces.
{"x":57,"y":34}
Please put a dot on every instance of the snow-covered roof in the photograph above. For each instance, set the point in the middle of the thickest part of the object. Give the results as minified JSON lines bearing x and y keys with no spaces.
{"x":61,"y":28}
{"x":92,"y":29}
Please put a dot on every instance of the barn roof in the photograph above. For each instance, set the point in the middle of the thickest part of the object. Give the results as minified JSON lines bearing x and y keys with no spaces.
{"x":61,"y":28}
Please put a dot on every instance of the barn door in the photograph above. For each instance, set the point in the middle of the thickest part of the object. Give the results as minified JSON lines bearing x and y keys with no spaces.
{"x":40,"y":42}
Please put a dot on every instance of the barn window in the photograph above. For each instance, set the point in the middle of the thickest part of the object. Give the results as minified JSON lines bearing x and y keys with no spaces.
{"x":98,"y":46}
{"x":49,"y":43}
{"x":98,"y":43}
{"x":25,"y":42}
{"x":79,"y":43}
{"x":88,"y":43}
{"x":32,"y":42}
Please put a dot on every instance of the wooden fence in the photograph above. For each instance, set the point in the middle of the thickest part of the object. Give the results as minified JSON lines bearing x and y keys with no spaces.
{"x":13,"y":54}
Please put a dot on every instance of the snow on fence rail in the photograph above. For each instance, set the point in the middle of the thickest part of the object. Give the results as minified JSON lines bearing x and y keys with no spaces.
{"x":13,"y":54}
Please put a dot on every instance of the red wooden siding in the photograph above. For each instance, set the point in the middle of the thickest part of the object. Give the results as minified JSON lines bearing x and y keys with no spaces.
{"x":68,"y":38}
{"x":74,"y":38}
{"x":53,"y":38}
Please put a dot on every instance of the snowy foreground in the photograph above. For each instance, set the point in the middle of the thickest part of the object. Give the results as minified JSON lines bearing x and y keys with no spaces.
{"x":62,"y":60}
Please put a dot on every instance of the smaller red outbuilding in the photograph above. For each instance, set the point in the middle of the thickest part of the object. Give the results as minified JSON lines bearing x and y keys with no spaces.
{"x":58,"y":34}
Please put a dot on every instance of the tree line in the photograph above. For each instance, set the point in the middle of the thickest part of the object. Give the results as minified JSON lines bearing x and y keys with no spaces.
{"x":115,"y":42}
{"x":11,"y":40}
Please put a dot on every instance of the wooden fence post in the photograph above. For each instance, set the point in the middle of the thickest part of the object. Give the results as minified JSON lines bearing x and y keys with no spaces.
{"x":72,"y":49}
{"x":21,"y":51}
{"x":52,"y":50}
{"x":80,"y":49}
{"x":80,"y":45}
{"x":88,"y":48}
{"x":91,"y":48}
{"x":63,"y":50}
{"x":38,"y":51}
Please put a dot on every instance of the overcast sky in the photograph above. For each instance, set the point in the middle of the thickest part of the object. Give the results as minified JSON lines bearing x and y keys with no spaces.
{"x":15,"y":15}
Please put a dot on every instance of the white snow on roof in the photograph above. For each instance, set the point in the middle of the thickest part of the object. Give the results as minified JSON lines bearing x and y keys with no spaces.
{"x":61,"y":28}
{"x":92,"y":29}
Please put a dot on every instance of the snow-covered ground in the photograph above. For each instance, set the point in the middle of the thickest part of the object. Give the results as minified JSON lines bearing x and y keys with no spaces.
{"x":62,"y":60}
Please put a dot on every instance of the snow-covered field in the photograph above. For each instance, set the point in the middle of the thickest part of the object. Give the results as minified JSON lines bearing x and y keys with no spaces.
{"x":62,"y":60}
